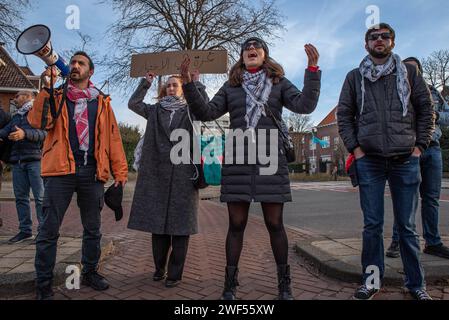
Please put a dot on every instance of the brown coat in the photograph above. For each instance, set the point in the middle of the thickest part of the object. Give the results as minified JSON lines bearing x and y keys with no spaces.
{"x":57,"y":156}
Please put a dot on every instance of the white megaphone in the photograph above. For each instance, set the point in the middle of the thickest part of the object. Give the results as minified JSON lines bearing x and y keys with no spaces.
{"x":36,"y":40}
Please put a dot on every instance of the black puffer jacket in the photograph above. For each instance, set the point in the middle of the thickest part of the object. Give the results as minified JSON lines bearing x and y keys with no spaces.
{"x":382,"y":129}
{"x":243,"y":182}
{"x":28,"y":149}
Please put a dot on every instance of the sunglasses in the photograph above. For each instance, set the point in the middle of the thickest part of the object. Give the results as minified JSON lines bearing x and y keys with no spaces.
{"x":375,"y":36}
{"x":255,"y":44}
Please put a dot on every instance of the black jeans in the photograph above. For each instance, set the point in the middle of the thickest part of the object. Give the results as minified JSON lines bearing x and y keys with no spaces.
{"x":161,"y":247}
{"x":57,"y":197}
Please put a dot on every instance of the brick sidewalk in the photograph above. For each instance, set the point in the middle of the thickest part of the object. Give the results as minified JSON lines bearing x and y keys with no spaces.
{"x":129,"y":270}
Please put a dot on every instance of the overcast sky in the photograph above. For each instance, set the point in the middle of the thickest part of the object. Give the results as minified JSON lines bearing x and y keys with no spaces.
{"x":335,"y":27}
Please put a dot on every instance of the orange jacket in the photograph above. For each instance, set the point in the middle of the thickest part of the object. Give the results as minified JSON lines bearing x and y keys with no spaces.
{"x":57,"y":156}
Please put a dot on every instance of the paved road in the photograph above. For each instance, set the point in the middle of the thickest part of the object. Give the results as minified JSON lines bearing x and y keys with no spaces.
{"x":333,"y":209}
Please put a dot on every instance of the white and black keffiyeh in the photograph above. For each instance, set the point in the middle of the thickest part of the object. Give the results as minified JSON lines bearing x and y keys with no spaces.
{"x":373,"y":72}
{"x":258,"y":88}
{"x":172,"y":104}
{"x":25,"y":108}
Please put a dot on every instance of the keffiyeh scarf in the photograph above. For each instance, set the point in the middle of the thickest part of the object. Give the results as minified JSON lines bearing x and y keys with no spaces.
{"x":172,"y":104}
{"x":373,"y":72}
{"x":80,"y":98}
{"x":258,"y":88}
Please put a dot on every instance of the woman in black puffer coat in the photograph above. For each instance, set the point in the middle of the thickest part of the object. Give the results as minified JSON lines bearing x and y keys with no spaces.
{"x":256,"y":82}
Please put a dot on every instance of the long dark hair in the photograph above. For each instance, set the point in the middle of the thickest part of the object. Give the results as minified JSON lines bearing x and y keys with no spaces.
{"x":273,"y":70}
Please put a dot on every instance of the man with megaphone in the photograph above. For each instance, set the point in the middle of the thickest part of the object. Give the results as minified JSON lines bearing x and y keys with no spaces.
{"x":82,"y":150}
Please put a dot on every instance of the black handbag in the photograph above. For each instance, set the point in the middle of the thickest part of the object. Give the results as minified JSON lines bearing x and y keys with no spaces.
{"x":289,"y":148}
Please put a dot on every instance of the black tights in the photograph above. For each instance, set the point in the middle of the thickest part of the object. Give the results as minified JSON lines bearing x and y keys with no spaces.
{"x":238,"y":218}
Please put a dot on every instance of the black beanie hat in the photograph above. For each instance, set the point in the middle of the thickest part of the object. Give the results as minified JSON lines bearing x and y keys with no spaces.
{"x":264,"y":44}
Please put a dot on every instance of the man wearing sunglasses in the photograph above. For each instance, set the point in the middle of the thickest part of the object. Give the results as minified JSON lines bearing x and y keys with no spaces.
{"x":386,"y":120}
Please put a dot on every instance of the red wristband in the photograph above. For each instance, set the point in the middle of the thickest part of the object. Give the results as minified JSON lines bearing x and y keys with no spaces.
{"x":313,"y":69}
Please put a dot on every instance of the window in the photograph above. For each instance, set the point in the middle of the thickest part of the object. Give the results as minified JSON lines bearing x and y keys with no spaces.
{"x":326,"y":139}
{"x":336,"y":141}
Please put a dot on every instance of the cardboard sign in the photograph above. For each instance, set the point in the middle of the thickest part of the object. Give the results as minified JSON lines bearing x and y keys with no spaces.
{"x":167,"y":63}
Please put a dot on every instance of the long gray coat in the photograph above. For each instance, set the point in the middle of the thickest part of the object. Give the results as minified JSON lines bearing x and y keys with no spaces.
{"x":165,"y":199}
{"x":243,"y":182}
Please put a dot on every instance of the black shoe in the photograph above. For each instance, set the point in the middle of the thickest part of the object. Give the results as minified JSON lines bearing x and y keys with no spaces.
{"x":171,"y":283}
{"x":95,"y":281}
{"x":365,"y":293}
{"x":420,"y":295}
{"x":393,"y":250}
{"x":44,"y":291}
{"x":231,"y":283}
{"x":285,"y":291}
{"x":159,"y":275}
{"x":440,"y":251}
{"x":20,"y":237}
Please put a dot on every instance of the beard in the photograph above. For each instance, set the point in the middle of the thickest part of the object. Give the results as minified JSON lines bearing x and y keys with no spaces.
{"x":79,"y":76}
{"x":380,"y":55}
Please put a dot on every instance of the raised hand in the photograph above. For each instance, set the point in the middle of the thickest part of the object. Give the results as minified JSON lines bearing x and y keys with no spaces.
{"x":312,"y":55}
{"x":195,"y":75}
{"x":185,"y":71}
{"x":150,"y":77}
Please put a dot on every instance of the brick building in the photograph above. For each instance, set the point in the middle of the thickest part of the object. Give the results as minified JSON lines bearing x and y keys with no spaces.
{"x":13,"y":79}
{"x":317,"y":158}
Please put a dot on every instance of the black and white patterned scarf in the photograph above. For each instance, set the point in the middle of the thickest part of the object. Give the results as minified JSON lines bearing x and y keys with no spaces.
{"x":258,"y":88}
{"x":25,"y":108}
{"x":172,"y":104}
{"x":373,"y":72}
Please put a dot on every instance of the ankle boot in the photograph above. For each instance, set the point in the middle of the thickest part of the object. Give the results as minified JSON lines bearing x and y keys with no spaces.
{"x":285,"y":291}
{"x":230,"y":283}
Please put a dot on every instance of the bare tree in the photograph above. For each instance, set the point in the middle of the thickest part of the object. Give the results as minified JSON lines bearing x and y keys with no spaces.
{"x":167,"y":25}
{"x":436,"y":69}
{"x":11,"y":19}
{"x":299,"y":122}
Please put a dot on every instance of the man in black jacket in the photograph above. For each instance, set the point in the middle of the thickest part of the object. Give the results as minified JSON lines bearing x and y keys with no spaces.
{"x":26,"y":164}
{"x":386,"y":120}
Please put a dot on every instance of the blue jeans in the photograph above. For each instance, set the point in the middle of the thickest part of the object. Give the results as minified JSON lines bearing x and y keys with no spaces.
{"x":404,"y":178}
{"x":27,"y":175}
{"x":430,"y":189}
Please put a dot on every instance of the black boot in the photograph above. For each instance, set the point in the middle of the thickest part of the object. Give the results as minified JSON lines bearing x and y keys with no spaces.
{"x":285,"y":291}
{"x":44,"y":291}
{"x":230,"y":284}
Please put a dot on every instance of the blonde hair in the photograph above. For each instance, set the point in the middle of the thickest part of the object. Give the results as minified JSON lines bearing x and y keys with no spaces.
{"x":163,"y":89}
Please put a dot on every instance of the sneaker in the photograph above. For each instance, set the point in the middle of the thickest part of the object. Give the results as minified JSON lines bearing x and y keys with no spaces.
{"x":20,"y":237}
{"x":365,"y":293}
{"x":95,"y":281}
{"x":421,"y":295}
{"x":440,"y":251}
{"x":44,"y":291}
{"x":393,"y":250}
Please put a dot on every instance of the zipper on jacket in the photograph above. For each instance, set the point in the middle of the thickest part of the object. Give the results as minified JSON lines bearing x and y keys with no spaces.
{"x":383,"y":114}
{"x":99,"y":132}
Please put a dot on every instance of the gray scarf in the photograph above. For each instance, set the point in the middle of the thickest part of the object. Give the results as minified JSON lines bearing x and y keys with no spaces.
{"x":374,"y":72}
{"x":172,"y":104}
{"x":258,"y":88}
{"x":25,"y":108}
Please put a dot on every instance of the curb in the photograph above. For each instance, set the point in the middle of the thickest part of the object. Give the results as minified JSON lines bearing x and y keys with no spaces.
{"x":24,"y":283}
{"x":334,"y":268}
